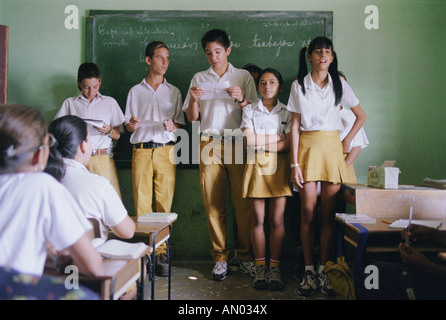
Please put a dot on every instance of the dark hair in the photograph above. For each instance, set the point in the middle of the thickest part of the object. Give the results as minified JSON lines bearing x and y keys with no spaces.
{"x":275,"y":72}
{"x":250,"y":67}
{"x":69,"y":132}
{"x":320,"y":43}
{"x":216,"y":35}
{"x":22,"y":131}
{"x":152,"y":46}
{"x":88,"y":70}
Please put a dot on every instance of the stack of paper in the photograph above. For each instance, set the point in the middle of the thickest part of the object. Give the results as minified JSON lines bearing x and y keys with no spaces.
{"x":158,"y":217}
{"x":355,"y":218}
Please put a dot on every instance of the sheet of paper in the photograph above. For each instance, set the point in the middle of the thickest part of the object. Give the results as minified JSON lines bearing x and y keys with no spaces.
{"x":214,"y":90}
{"x":151,"y":123}
{"x":94,"y":122}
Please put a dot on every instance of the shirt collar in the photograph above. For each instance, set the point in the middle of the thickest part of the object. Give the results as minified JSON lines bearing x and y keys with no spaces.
{"x":231,"y":69}
{"x":275,"y":110}
{"x":73,"y":163}
{"x":99,"y":96}
{"x":164,"y":83}
{"x":309,"y":83}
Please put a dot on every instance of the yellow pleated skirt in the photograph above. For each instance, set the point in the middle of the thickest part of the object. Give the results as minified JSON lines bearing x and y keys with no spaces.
{"x":321,"y":157}
{"x":267,"y":176}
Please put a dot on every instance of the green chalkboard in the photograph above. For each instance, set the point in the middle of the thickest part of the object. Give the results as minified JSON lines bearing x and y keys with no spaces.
{"x":116,"y":42}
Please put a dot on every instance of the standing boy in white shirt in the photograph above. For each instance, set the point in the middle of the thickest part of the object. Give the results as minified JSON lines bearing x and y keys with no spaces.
{"x":91,"y":104}
{"x":154,"y":111}
{"x":217,"y":115}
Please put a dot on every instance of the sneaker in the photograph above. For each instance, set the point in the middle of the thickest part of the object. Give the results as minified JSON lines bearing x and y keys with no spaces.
{"x":161,"y":265}
{"x":247,"y":267}
{"x":234,"y":263}
{"x":308,"y":285}
{"x":220,"y":270}
{"x":259,"y":281}
{"x":324,"y":285}
{"x":274,"y":280}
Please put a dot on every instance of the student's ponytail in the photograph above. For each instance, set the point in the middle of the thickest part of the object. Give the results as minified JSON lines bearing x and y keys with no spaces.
{"x":69,"y":132}
{"x":334,"y":73}
{"x":303,"y":69}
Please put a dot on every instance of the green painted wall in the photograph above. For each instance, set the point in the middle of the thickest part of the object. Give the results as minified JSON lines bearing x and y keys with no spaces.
{"x":397,"y":72}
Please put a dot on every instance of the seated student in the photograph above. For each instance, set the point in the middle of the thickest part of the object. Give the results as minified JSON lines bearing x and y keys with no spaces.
{"x":20,"y":286}
{"x":91,"y":104}
{"x":95,"y":195}
{"x":35,"y":208}
{"x":419,"y":277}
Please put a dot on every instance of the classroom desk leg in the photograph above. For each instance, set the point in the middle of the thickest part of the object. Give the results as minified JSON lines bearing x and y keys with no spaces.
{"x":169,"y":261}
{"x":359,"y":260}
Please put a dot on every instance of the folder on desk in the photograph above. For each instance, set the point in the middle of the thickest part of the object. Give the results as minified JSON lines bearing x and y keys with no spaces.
{"x":158,"y":217}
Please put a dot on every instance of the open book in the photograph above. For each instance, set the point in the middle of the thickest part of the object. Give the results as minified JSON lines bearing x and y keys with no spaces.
{"x":355,"y":218}
{"x":158,"y":217}
{"x":118,"y":249}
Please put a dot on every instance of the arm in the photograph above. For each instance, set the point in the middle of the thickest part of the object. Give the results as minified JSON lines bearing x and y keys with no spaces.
{"x":125,"y":229}
{"x":352,"y":155}
{"x":192,"y":112}
{"x":415,"y":259}
{"x":296,"y":173}
{"x":359,"y":122}
{"x":85,"y":257}
{"x":282,"y":145}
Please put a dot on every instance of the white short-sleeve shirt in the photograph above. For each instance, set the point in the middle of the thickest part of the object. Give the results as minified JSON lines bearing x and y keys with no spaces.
{"x":152,"y":107}
{"x":102,"y":107}
{"x":348,"y":118}
{"x":219,"y":114}
{"x":94,"y":194}
{"x":36,"y":209}
{"x":257,"y":117}
{"x":317,"y":107}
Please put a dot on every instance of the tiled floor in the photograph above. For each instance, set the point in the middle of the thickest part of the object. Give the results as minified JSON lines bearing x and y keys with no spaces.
{"x":192,"y":281}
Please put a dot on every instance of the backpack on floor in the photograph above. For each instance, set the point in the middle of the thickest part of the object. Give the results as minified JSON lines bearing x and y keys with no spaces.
{"x":341,"y":278}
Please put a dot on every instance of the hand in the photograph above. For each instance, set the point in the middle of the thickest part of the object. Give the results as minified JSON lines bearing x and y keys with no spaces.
{"x":346,"y":146}
{"x":235,"y":92}
{"x":106,"y":129}
{"x":133,"y":124}
{"x":412,"y":257}
{"x":169,"y":125}
{"x":196,"y":93}
{"x":417,"y":232}
{"x":297,"y":177}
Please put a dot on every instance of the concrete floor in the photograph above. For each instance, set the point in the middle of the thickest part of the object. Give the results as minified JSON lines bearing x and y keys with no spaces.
{"x":193,"y":281}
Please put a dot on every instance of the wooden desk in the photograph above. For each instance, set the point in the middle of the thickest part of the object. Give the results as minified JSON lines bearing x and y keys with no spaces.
{"x":427,"y":203}
{"x":372,"y":238}
{"x":154,"y":233}
{"x":114,"y":279}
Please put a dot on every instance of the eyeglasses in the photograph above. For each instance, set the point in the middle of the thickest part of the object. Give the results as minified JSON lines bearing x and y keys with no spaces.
{"x":51,"y":141}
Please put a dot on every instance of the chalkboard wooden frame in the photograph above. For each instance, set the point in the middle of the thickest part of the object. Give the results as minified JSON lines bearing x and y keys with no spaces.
{"x":116,"y":40}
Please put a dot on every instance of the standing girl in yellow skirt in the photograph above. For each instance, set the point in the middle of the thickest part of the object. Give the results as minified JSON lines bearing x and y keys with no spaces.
{"x":266,"y":126}
{"x":317,"y":151}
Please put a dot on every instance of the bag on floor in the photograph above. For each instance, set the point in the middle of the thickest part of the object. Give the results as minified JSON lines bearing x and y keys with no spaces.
{"x":341,"y":278}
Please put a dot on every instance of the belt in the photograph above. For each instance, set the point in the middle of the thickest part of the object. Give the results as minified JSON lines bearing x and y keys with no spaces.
{"x":98,"y":152}
{"x":208,"y":136}
{"x":153,"y":145}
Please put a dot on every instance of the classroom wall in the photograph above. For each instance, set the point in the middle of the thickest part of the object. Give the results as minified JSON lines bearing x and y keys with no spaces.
{"x":396,"y":71}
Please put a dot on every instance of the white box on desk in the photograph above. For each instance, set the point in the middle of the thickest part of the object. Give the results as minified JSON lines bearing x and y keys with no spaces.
{"x":384,"y":176}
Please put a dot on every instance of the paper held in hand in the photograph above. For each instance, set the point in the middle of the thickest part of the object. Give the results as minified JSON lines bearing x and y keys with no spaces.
{"x":118,"y":249}
{"x":158,"y":217}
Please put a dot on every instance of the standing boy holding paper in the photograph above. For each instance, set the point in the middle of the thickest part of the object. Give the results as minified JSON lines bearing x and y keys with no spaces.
{"x":219,"y":114}
{"x":91,"y":104}
{"x":154,"y":112}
